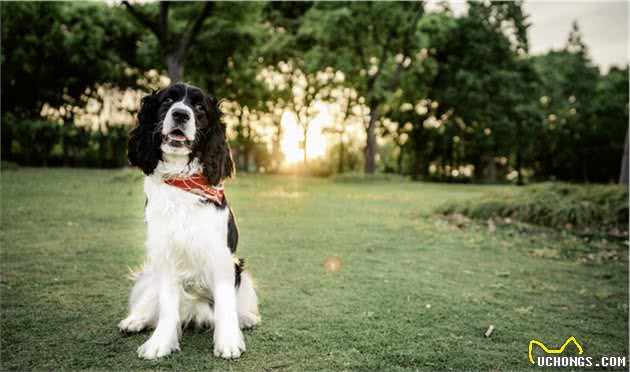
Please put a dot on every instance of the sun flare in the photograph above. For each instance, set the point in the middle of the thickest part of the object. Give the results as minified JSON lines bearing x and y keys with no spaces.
{"x":293,"y":137}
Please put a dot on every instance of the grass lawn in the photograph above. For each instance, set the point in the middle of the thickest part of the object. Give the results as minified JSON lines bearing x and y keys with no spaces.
{"x":415,"y":291}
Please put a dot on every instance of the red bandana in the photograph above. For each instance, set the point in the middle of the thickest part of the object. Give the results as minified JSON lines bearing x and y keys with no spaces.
{"x":198,"y":185}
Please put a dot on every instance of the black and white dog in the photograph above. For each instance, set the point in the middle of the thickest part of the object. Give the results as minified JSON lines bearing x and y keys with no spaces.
{"x":191,"y":275}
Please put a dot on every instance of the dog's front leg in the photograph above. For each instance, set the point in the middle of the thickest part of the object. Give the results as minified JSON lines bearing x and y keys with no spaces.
{"x":228,"y":339}
{"x":165,"y":338}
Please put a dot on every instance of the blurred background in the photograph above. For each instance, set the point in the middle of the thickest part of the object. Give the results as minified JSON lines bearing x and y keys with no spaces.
{"x":496,"y":92}
{"x":335,"y":112}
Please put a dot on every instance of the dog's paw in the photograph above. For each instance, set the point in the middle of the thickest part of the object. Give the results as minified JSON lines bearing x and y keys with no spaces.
{"x":155,"y":348}
{"x":228,"y":345}
{"x":132,"y":324}
{"x":248,"y":320}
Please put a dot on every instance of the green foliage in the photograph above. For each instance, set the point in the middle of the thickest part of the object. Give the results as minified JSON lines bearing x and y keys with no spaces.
{"x":608,"y":119}
{"x":35,"y":139}
{"x":557,"y":205}
{"x":283,"y":20}
{"x":444,"y":93}
{"x":53,"y":52}
{"x":484,"y":95}
{"x":568,"y":88}
{"x":362,"y":40}
{"x":39,"y":142}
{"x":227,"y":30}
{"x":232,"y":31}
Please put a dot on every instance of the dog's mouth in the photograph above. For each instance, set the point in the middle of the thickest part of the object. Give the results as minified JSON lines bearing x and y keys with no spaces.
{"x":176,"y":138}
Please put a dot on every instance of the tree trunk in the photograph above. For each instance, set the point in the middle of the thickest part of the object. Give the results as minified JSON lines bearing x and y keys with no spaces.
{"x":277,"y":151}
{"x":175,"y":52}
{"x":304,"y":144}
{"x":340,"y":166}
{"x":401,"y":154}
{"x":519,"y":155}
{"x":7,"y":141}
{"x":519,"y":170}
{"x":68,"y":123}
{"x":491,"y":175}
{"x":449,"y":155}
{"x":175,"y":64}
{"x":623,"y":174}
{"x":242,"y":139}
{"x":418,"y":162}
{"x":101,"y":150}
{"x":245,"y":155}
{"x":370,"y":148}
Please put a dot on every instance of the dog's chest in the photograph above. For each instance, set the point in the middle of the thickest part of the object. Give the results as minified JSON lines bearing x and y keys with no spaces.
{"x":189,"y":229}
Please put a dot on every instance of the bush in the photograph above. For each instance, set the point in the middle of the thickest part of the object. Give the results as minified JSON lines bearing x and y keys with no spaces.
{"x":318,"y":168}
{"x":584,"y":208}
{"x":8,"y":166}
{"x":81,"y":148}
{"x":36,"y":139}
{"x":111,"y":147}
{"x":37,"y":142}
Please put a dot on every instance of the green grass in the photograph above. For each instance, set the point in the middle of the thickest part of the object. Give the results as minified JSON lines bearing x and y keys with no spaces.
{"x":415,"y":291}
{"x":593,"y":208}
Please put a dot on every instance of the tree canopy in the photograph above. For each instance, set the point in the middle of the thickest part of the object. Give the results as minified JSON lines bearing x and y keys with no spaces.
{"x":434,"y":95}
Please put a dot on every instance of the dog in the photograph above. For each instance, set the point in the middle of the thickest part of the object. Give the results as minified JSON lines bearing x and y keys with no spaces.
{"x":191,"y":276}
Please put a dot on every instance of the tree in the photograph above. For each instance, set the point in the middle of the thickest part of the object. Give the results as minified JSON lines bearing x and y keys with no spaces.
{"x":345,"y":110}
{"x":623,"y":173}
{"x":415,"y":102}
{"x":484,"y":96}
{"x":42,"y":42}
{"x":568,"y":89}
{"x":247,"y":95}
{"x":306,"y":90}
{"x":174,"y":48}
{"x":217,"y":31}
{"x":372,"y":43}
{"x":608,"y":126}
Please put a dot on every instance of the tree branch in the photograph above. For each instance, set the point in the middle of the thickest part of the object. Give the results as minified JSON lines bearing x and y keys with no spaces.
{"x":192,"y":33}
{"x":143,"y":19}
{"x":406,"y":46}
{"x":359,"y":50}
{"x":412,"y":29}
{"x":163,"y":20}
{"x":381,"y":62}
{"x":395,"y":76}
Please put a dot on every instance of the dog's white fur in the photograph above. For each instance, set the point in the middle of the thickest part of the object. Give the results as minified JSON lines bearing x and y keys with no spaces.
{"x":189,"y":128}
{"x":188,"y":267}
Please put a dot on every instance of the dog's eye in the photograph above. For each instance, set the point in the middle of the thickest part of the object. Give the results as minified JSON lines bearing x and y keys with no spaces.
{"x":199,"y":107}
{"x":167,"y":100}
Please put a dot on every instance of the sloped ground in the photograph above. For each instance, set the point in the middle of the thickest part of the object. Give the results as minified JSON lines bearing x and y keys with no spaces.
{"x":415,"y":290}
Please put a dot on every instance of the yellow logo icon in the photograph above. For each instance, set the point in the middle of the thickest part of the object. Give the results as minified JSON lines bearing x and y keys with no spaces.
{"x":553,"y":351}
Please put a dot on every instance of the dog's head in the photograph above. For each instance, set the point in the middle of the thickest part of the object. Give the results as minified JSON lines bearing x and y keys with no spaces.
{"x":181,"y":120}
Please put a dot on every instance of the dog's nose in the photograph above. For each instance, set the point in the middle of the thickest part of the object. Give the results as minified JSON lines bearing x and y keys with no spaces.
{"x":180,"y":115}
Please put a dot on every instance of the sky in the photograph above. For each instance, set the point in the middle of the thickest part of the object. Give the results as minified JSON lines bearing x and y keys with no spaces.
{"x":604,"y":25}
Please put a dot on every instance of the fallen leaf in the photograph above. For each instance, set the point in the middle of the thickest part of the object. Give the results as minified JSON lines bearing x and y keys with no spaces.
{"x":332,"y":264}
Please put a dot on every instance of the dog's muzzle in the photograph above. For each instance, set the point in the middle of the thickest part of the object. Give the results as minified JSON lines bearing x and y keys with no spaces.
{"x":179,"y":127}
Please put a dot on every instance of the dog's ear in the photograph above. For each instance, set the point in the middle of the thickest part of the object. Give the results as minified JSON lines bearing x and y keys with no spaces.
{"x":216,"y":155}
{"x":143,"y":145}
